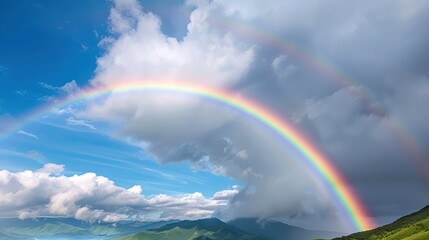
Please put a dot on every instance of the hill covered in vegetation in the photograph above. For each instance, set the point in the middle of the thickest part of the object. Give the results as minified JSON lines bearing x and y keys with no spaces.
{"x":204,"y":229}
{"x":412,"y":227}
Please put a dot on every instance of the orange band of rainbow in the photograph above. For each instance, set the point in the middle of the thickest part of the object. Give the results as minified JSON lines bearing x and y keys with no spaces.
{"x":328,"y":173}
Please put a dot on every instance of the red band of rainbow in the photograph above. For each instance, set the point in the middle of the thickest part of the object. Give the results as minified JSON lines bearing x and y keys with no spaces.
{"x":335,"y":183}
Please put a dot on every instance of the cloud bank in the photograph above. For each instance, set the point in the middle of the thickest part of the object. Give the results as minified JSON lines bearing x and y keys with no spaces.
{"x":48,"y":192}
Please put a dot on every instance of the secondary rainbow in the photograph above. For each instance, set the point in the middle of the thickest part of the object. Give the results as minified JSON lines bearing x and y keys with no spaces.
{"x":419,"y":156}
{"x":333,"y":180}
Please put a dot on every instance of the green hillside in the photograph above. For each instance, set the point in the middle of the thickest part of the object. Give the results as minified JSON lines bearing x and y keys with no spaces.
{"x":206,"y":229}
{"x":412,"y":227}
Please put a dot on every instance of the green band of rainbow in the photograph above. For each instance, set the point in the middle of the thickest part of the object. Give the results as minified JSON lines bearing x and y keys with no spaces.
{"x":335,"y":183}
{"x":419,"y":155}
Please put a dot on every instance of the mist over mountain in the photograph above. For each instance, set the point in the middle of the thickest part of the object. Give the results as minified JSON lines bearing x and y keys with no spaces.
{"x":70,"y":228}
{"x":277,"y":230}
{"x":411,"y":227}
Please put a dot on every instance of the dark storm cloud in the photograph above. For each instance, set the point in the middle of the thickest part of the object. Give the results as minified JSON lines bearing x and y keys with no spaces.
{"x":382,"y":49}
{"x":380,"y":46}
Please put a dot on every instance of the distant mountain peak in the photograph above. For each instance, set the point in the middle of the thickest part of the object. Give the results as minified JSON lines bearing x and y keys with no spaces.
{"x":202,"y":229}
{"x":207,"y":223}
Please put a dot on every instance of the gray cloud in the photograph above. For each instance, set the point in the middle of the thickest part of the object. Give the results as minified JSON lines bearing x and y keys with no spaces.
{"x":379,"y":46}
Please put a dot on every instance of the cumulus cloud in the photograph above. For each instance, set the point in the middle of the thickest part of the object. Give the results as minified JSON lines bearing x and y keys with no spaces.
{"x":142,"y":51}
{"x":51,"y":168}
{"x":48,"y":192}
{"x":28,"y":134}
{"x":286,"y":55}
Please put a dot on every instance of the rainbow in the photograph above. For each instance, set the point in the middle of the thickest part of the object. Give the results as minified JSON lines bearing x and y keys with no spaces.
{"x":419,"y":156}
{"x":331,"y":177}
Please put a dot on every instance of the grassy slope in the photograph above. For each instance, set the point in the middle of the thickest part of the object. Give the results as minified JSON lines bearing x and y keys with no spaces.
{"x":412,"y":227}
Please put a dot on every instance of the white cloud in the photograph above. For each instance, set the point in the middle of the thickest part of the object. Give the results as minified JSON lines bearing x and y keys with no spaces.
{"x":51,"y":168}
{"x":141,"y":52}
{"x":226,"y":194}
{"x":47,"y":86}
{"x":69,"y":88}
{"x":90,"y":197}
{"x":79,"y":122}
{"x":28,"y":134}
{"x":66,"y":110}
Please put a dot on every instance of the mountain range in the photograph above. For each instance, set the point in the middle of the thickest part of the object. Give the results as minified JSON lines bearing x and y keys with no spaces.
{"x":412,"y":227}
{"x":209,"y":229}
{"x":69,"y":228}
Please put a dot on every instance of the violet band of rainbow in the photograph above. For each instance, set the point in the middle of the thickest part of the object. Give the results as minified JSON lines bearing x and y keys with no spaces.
{"x":343,"y":194}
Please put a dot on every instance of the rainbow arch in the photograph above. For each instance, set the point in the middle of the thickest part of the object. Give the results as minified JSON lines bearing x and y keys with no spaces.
{"x":332,"y":178}
{"x":419,"y":155}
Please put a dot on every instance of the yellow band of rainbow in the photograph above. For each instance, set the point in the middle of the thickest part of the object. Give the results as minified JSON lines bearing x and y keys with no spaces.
{"x":328,"y":173}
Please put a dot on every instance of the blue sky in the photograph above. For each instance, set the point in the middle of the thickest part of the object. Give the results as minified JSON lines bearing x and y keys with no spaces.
{"x":55,"y":42}
{"x":162,"y":150}
{"x":45,"y":43}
